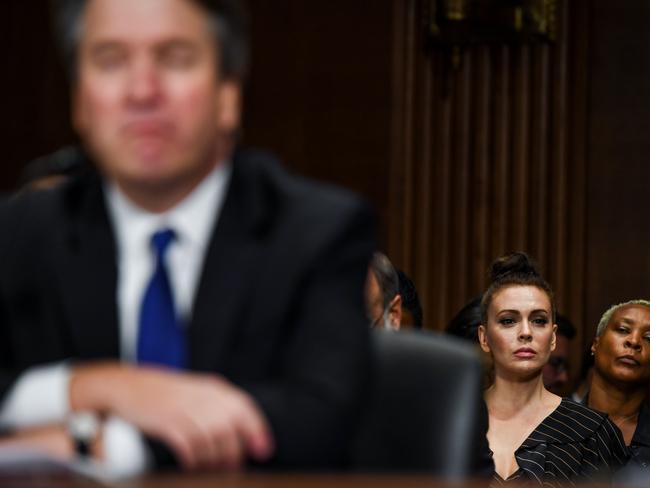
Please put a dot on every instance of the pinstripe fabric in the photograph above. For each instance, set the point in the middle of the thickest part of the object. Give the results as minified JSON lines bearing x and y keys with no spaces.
{"x":572,"y":444}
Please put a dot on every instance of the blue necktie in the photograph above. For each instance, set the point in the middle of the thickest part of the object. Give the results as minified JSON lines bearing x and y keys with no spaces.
{"x":161,"y":338}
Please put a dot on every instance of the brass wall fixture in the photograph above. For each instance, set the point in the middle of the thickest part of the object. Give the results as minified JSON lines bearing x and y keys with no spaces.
{"x":456,"y":24}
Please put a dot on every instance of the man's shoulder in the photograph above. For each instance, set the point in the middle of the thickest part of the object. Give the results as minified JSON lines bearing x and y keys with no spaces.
{"x":29,"y":209}
{"x":32,"y":219}
{"x":45,"y":204}
{"x":292,"y":192}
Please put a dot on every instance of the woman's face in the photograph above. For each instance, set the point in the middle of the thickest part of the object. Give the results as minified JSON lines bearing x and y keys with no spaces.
{"x":519,"y":333}
{"x":622,"y":352}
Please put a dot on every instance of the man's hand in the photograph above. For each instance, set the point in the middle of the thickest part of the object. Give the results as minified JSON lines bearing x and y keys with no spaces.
{"x":204,"y":419}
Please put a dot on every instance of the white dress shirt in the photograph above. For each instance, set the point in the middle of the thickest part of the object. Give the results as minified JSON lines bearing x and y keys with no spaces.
{"x":193,"y":221}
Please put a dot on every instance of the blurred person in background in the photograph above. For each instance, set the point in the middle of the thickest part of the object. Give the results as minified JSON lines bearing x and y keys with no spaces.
{"x":412,"y":314}
{"x":53,"y":169}
{"x":464,"y":325}
{"x":584,"y":378}
{"x":466,"y":322}
{"x":383,"y":300}
{"x":557,"y":372}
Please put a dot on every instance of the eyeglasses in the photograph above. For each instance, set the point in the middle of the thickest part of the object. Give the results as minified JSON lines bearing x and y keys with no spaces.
{"x":376,"y":322}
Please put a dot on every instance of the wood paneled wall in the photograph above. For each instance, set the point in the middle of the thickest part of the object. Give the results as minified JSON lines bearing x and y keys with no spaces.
{"x":33,"y":93}
{"x":618,"y":257}
{"x":487,"y":158}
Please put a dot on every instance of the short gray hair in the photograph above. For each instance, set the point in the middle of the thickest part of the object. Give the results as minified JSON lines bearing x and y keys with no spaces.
{"x":386,"y":276}
{"x":227,"y":19}
{"x":607,"y":316}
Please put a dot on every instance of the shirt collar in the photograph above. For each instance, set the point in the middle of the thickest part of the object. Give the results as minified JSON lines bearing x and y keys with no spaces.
{"x":193,"y":219}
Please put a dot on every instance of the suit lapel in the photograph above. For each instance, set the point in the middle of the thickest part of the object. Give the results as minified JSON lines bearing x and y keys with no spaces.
{"x":228,"y":272}
{"x":88,"y":272}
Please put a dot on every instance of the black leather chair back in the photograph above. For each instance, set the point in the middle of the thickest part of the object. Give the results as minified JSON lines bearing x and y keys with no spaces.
{"x":425,"y":412}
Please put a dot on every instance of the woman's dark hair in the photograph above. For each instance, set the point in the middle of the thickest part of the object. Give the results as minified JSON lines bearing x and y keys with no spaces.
{"x":466,"y":322}
{"x":514,"y":269}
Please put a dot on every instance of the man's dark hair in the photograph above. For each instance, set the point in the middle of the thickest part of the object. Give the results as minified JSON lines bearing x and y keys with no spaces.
{"x":410,"y":298}
{"x":386,"y":276}
{"x":565,"y":327}
{"x":228,"y":20}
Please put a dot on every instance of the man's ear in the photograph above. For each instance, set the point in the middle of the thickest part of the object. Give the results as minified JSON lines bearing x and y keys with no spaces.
{"x":395,"y":311}
{"x":482,"y":338}
{"x":229,"y":105}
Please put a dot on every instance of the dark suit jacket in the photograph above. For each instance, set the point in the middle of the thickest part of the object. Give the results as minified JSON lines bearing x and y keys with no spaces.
{"x":278,"y":311}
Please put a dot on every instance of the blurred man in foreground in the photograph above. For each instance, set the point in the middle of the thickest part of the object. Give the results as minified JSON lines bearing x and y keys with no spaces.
{"x":182,"y":302}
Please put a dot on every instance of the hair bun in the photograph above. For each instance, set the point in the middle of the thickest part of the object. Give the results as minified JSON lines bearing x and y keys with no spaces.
{"x":516,"y":263}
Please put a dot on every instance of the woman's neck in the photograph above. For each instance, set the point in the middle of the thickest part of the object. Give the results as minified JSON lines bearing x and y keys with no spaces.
{"x":616,"y":400}
{"x":507,"y":397}
{"x":620,"y":402}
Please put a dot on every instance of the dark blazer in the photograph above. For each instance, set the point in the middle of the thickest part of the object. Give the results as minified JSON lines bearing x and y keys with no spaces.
{"x":278,"y":311}
{"x":637,"y":470}
{"x":640,"y":445}
{"x":574,"y":443}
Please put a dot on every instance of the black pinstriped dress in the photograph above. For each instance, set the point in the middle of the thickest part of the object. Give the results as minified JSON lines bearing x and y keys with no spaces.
{"x":572,"y":444}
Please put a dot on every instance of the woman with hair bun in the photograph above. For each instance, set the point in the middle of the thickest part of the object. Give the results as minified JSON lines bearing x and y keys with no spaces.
{"x":535,"y":435}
